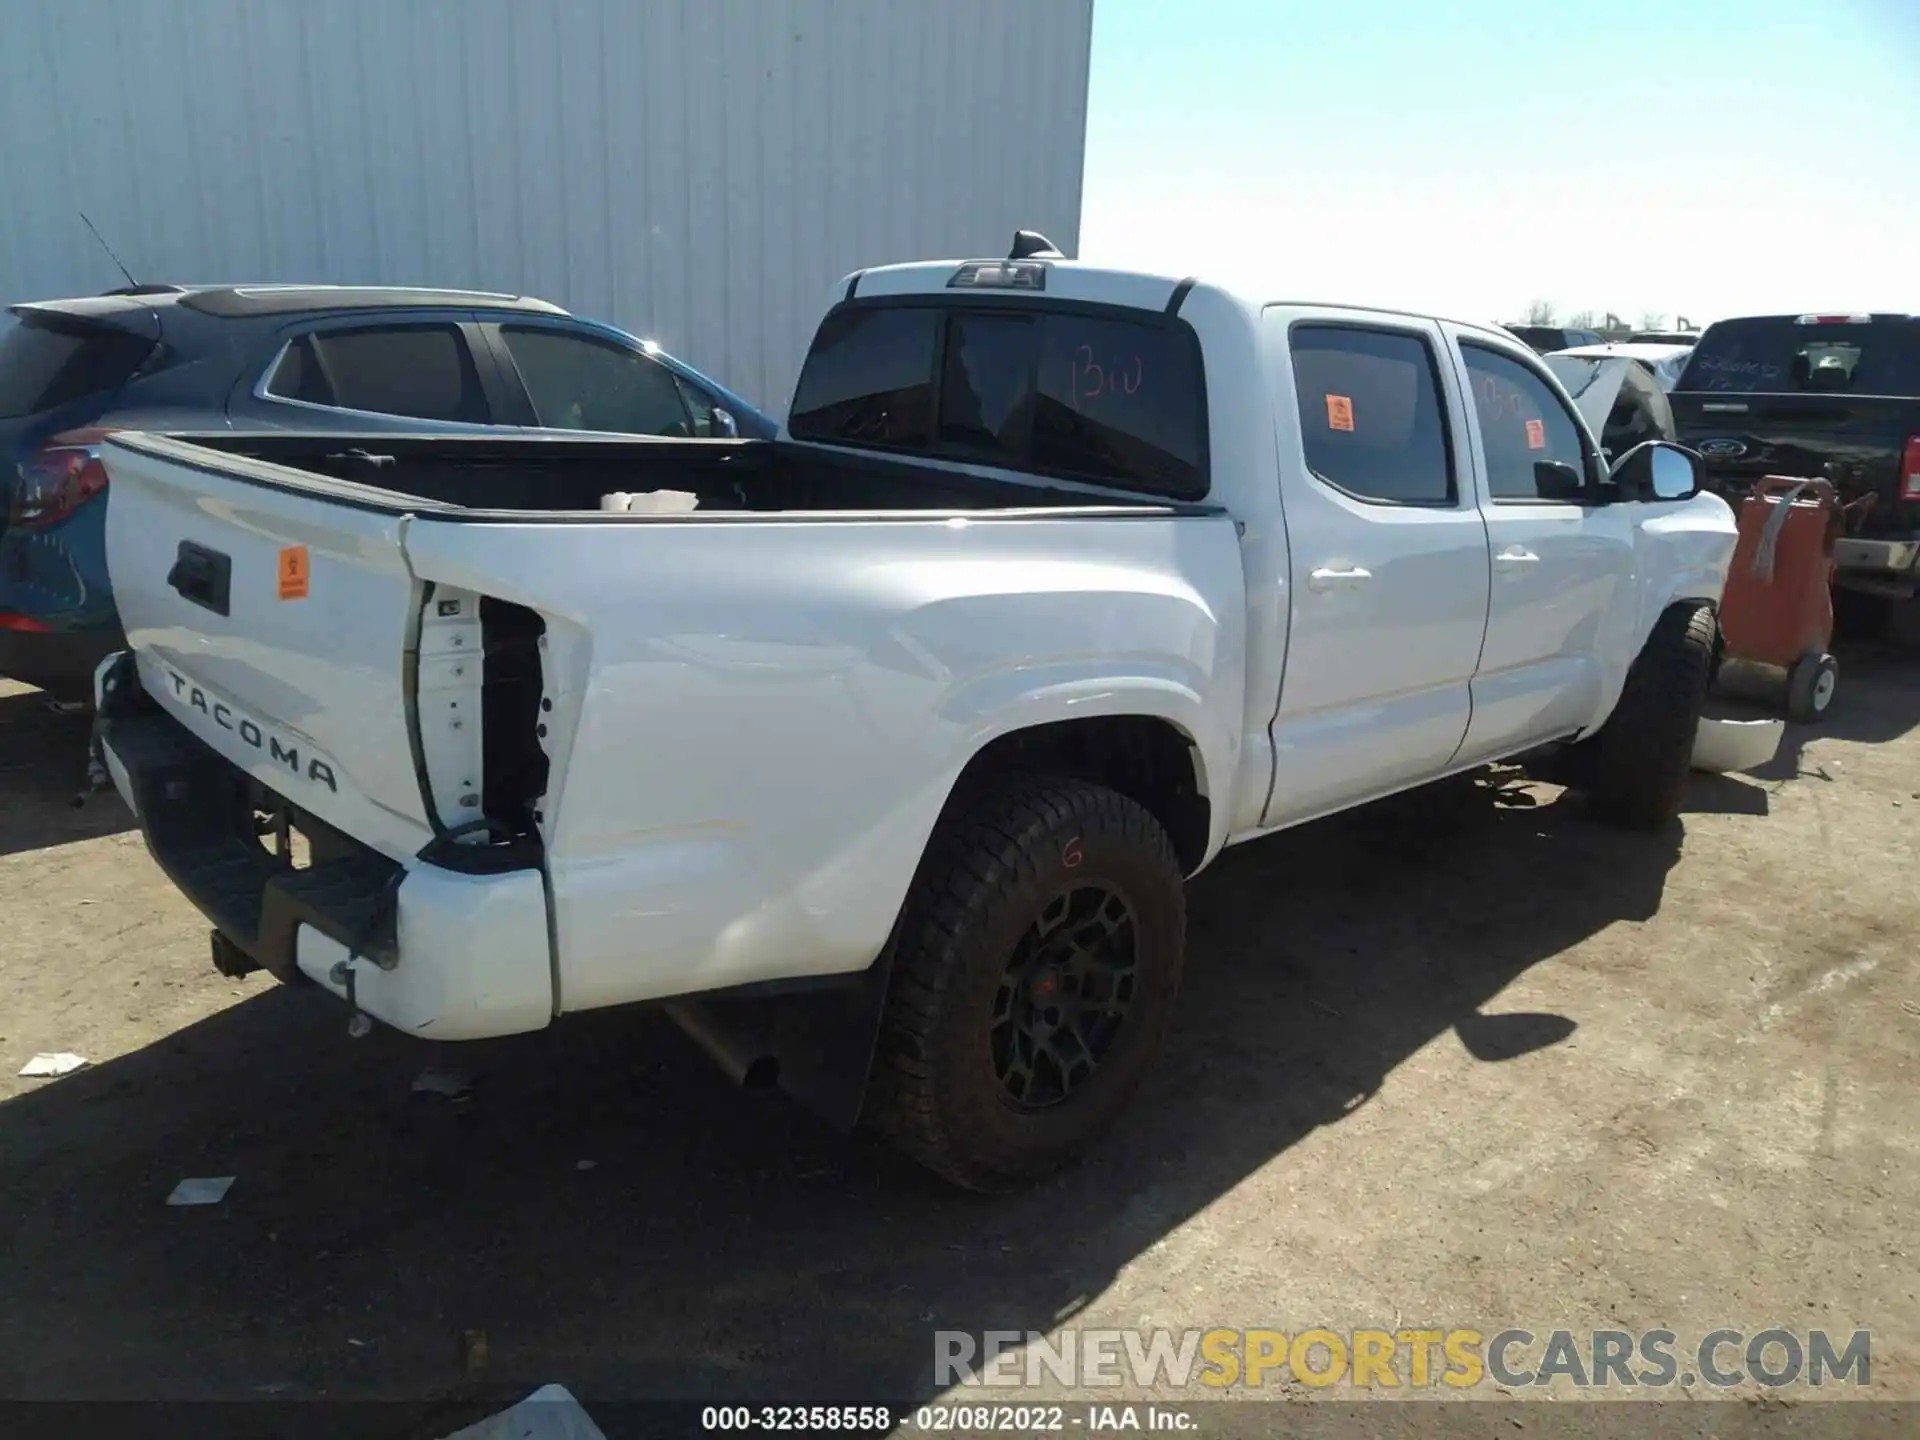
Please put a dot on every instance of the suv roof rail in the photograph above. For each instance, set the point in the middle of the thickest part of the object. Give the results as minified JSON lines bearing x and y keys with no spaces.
{"x":146,"y":289}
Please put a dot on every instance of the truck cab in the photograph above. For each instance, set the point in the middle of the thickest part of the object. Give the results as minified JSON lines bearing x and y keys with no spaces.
{"x":1441,"y":565}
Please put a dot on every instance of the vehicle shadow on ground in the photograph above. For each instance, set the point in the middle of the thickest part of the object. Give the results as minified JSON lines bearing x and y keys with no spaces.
{"x":43,"y":770}
{"x":606,"y":1212}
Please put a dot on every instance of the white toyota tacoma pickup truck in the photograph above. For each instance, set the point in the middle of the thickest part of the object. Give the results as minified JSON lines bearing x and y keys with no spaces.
{"x":882,"y":750}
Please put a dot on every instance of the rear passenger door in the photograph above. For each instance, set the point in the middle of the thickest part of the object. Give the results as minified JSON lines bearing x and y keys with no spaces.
{"x":404,"y":374}
{"x":1388,"y":559}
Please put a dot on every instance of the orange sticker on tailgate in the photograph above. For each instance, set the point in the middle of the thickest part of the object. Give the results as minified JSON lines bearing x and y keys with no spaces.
{"x":1339,"y":412}
{"x":295,"y":573}
{"x":1536,"y":434}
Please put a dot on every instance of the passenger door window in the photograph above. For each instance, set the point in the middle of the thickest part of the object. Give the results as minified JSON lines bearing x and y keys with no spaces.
{"x":700,"y":406}
{"x":1370,"y":414}
{"x":422,"y":372}
{"x":581,"y":382}
{"x":1533,"y":446}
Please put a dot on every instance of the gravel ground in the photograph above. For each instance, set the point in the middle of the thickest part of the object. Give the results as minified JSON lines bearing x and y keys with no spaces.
{"x":1460,"y":1059}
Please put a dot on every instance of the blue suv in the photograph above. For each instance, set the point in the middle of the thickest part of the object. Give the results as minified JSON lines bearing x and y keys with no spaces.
{"x":279,"y":357}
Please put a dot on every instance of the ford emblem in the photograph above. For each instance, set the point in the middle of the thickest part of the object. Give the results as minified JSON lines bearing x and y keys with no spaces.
{"x":1723,"y":449}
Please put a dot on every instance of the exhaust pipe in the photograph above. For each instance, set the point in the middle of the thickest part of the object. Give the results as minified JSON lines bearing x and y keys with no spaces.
{"x":740,"y":1057}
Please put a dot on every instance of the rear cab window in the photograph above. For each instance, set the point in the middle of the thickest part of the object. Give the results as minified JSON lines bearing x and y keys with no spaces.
{"x":418,"y":372}
{"x":46,"y":363}
{"x":1787,"y":354}
{"x":1080,"y":392}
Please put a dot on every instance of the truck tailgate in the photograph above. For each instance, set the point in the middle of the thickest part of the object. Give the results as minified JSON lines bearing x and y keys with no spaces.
{"x":275,"y":625}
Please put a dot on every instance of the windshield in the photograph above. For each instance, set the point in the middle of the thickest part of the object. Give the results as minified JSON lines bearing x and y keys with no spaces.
{"x":1782,"y":354}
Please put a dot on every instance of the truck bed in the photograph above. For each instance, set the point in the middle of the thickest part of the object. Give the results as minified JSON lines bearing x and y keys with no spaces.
{"x":721,"y":739}
{"x":545,"y":475}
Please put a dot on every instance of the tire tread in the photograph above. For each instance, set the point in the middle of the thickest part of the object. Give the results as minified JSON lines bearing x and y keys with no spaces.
{"x":979,"y":859}
{"x":1643,"y":751}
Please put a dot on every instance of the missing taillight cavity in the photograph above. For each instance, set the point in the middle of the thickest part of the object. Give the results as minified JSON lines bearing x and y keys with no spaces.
{"x":476,"y":692}
{"x":515,"y":760}
{"x":1910,"y":470}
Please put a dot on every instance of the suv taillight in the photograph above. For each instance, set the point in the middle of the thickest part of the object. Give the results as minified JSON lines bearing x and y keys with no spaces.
{"x":57,"y":479}
{"x":1910,"y":470}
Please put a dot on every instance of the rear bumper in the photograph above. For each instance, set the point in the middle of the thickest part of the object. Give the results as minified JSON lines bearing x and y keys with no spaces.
{"x":432,"y":951}
{"x":1891,"y":557}
{"x":61,"y":662}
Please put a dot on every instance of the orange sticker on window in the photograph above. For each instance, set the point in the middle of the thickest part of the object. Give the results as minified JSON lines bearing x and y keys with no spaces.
{"x":1536,"y":434}
{"x":1339,"y":412}
{"x":294,"y":573}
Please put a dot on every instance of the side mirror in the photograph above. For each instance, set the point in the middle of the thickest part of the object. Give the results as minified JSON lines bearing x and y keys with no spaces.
{"x":723,"y":425}
{"x":1657,"y":470}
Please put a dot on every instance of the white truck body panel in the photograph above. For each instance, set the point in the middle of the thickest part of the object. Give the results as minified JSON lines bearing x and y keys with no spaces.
{"x":811,"y":694}
{"x":753,"y":720}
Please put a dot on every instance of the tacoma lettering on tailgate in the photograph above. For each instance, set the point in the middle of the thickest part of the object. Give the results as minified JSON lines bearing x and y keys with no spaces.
{"x":316,"y":769}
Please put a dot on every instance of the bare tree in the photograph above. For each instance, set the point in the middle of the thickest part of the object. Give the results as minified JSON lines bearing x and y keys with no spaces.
{"x":1653,"y":320}
{"x":1540,"y":312}
{"x":1580,"y":320}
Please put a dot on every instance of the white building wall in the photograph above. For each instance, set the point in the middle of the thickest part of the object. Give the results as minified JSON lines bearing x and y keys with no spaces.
{"x":696,"y":171}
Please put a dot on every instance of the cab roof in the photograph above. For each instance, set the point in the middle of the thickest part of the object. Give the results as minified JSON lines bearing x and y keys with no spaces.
{"x":1076,"y":280}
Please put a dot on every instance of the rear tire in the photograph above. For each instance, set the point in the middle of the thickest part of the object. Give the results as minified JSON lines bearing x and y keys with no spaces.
{"x":1008,"y":1043}
{"x":1641,"y":754}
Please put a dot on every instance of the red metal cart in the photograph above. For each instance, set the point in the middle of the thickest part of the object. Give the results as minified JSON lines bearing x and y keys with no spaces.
{"x":1778,"y":609}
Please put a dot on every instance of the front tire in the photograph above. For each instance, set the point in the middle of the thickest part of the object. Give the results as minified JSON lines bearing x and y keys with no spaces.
{"x":1038,"y":961}
{"x":1642,"y":753}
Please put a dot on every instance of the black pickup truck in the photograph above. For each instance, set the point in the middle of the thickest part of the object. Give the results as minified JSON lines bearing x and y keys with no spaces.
{"x":1818,"y":395}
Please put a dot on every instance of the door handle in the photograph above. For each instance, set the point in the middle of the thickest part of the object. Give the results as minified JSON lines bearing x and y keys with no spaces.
{"x":1326,"y":577}
{"x":202,"y":576}
{"x":1517,"y":555}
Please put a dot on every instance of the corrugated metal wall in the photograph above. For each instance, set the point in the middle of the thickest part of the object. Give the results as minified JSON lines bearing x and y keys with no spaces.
{"x":699,"y":171}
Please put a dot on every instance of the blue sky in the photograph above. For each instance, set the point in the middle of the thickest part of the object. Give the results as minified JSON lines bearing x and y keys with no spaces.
{"x":1694,"y":156}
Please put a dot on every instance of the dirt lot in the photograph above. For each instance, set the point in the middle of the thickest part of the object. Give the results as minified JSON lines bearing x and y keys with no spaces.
{"x":1460,"y":1060}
